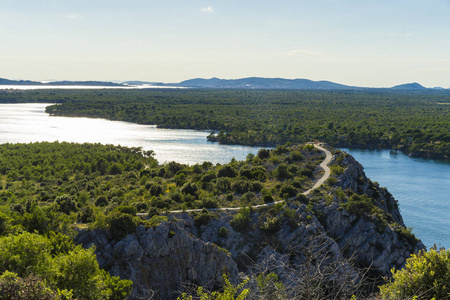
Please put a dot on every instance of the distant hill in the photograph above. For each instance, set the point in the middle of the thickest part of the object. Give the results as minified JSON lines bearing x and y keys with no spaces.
{"x":138,"y":82}
{"x":409,"y":86}
{"x":4,"y":81}
{"x":84,"y":83}
{"x":263,"y":83}
{"x":242,"y":83}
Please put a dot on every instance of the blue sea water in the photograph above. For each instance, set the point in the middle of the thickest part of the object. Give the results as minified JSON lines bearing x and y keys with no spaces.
{"x":421,"y":186}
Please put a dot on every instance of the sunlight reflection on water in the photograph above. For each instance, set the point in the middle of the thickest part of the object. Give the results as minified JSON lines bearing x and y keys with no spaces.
{"x":24,"y":123}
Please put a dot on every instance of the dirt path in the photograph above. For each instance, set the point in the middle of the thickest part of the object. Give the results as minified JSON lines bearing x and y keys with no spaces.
{"x":325,"y":176}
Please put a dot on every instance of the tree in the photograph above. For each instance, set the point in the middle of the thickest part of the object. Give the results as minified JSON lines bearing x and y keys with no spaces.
{"x":66,"y":204}
{"x":120,"y":224}
{"x":270,"y":287}
{"x":60,"y":265}
{"x":13,"y":287}
{"x":229,"y":292}
{"x":242,"y":220}
{"x":426,"y":275}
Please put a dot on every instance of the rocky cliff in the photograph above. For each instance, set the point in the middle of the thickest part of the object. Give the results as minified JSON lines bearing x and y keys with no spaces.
{"x":339,"y":233}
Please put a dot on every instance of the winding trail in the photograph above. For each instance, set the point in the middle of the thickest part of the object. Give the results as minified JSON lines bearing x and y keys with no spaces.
{"x":325,"y":176}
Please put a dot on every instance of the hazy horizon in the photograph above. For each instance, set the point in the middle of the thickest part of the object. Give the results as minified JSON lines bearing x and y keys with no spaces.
{"x":357,"y":43}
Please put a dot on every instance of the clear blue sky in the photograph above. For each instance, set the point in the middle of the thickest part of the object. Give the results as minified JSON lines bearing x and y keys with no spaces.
{"x":357,"y":42}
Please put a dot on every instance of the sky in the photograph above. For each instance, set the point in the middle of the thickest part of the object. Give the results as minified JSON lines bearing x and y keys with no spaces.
{"x":371,"y":43}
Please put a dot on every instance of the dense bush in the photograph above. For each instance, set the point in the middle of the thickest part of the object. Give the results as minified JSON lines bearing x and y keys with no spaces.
{"x":120,"y":224}
{"x":202,"y":218}
{"x":358,"y":204}
{"x":68,"y":267}
{"x":226,"y":171}
{"x":66,"y":204}
{"x":13,"y":287}
{"x":242,"y":220}
{"x":425,"y":276}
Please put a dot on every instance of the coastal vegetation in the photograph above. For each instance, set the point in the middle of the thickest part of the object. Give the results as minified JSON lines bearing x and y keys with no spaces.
{"x":413,"y":122}
{"x":78,"y":181}
{"x":425,"y":276}
{"x":51,"y":191}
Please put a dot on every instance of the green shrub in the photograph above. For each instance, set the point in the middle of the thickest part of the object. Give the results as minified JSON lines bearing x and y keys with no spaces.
{"x":302,"y":198}
{"x":270,"y":226}
{"x":226,"y":171}
{"x":202,"y":218}
{"x":240,"y":186}
{"x":120,"y":224}
{"x":256,"y":186}
{"x":208,"y":203}
{"x":248,"y":197}
{"x":190,"y":188}
{"x":270,"y":287}
{"x":208,"y":177}
{"x":223,"y":185}
{"x":358,"y":204}
{"x":337,"y":170}
{"x":141,"y":206}
{"x":406,"y":232}
{"x":297,"y":156}
{"x":156,"y":189}
{"x":263,"y":153}
{"x":291,"y":215}
{"x":331,"y":181}
{"x":426,"y":276}
{"x":241,"y":221}
{"x":161,"y":203}
{"x":223,"y":232}
{"x":32,"y":287}
{"x":101,"y":201}
{"x":25,"y":253}
{"x":86,"y":215}
{"x":152,"y":211}
{"x":268,"y":198}
{"x":4,"y":223}
{"x":289,"y":190}
{"x":65,"y":204}
{"x":60,"y":243}
{"x":281,"y":172}
{"x":127,"y":209}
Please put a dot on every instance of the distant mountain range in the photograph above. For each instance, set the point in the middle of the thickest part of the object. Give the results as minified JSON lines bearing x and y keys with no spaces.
{"x":264,"y":83}
{"x":4,"y":81}
{"x":243,"y":83}
{"x":281,"y":83}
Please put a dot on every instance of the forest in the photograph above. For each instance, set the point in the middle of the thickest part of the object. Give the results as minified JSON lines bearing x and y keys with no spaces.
{"x":51,"y":191}
{"x":416,"y":123}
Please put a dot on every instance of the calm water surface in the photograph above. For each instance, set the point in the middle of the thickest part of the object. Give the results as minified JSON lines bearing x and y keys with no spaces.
{"x":24,"y":123}
{"x":421,"y":186}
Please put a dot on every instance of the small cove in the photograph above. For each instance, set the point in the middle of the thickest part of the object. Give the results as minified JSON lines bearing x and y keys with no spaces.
{"x":422,"y":187}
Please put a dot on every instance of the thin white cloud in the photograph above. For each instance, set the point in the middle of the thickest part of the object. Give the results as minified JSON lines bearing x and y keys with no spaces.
{"x":394,"y":34}
{"x":300,"y":52}
{"x":74,"y":16}
{"x":207,"y":10}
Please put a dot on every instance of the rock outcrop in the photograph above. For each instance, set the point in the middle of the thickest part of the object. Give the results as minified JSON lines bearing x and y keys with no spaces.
{"x":160,"y":260}
{"x":315,"y":238}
